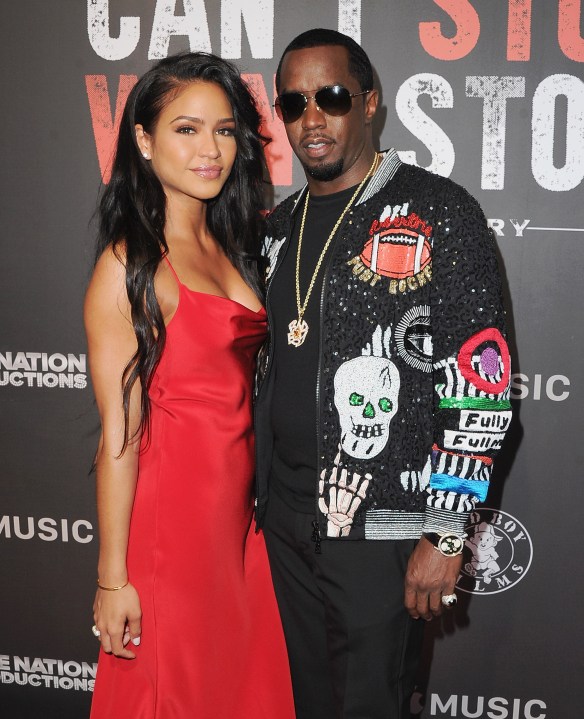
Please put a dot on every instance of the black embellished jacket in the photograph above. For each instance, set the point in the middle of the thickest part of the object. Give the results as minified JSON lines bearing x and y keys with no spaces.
{"x":413,"y":378}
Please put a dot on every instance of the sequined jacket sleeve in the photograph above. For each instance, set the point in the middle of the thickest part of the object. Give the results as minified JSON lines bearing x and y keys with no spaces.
{"x":471,"y":367}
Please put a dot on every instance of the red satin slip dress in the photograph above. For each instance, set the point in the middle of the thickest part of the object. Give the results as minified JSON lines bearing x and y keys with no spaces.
{"x":212,"y":643}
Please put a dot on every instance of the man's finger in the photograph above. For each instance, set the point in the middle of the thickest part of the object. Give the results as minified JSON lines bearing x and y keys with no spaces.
{"x":435,"y":602}
{"x":423,"y":606}
{"x":410,"y":603}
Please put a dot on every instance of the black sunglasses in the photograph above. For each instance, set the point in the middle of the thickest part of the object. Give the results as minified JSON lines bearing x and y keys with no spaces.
{"x":335,"y":100}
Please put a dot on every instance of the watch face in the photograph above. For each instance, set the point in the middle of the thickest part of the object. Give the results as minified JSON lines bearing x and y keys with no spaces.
{"x":450,"y":545}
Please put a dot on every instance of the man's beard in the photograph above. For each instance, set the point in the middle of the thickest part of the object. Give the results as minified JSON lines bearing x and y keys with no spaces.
{"x":324,"y":172}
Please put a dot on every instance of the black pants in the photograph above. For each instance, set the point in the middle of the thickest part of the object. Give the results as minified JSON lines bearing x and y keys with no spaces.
{"x":353,"y":648}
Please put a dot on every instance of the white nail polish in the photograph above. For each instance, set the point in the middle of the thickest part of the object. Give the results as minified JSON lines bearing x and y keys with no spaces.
{"x":136,"y":641}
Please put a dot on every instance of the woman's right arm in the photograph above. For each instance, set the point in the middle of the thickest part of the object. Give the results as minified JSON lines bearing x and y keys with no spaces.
{"x":112,"y":342}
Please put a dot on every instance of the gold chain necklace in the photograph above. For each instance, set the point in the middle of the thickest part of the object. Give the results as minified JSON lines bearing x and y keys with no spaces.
{"x":298,"y":329}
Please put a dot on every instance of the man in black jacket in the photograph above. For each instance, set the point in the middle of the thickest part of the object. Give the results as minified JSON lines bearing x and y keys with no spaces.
{"x":384,"y":395}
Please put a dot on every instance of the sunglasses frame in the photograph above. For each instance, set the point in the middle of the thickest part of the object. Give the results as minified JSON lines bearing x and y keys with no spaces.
{"x":279,"y":111}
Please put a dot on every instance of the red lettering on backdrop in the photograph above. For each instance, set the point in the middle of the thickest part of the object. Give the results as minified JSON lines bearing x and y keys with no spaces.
{"x":278,"y":152}
{"x":519,"y":30}
{"x":105,"y":127}
{"x":468,"y":28}
{"x":570,"y":17}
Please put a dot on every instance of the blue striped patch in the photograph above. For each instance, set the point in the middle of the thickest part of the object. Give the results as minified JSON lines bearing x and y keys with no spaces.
{"x":450,"y":483}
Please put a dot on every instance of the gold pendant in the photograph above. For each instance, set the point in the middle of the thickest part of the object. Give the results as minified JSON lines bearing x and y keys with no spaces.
{"x":298,"y":331}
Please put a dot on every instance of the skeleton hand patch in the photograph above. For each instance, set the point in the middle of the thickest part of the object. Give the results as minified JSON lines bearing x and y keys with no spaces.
{"x":340,"y":498}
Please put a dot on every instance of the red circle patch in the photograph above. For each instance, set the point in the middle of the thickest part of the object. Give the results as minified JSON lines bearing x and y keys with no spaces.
{"x":491,"y":334}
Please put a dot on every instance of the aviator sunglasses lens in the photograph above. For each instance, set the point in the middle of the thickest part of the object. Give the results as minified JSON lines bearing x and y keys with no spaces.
{"x":335,"y":100}
{"x":290,"y":106}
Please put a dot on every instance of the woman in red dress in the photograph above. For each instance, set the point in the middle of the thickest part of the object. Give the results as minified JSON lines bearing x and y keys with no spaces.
{"x":185,"y":609}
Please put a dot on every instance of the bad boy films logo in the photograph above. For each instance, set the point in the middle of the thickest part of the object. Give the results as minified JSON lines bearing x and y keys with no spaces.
{"x":497,"y":553}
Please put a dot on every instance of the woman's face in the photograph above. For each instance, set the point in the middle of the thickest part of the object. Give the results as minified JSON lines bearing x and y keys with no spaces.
{"x":192,"y":148}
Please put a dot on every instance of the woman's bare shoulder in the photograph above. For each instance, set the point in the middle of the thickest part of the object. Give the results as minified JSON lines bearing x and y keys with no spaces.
{"x":106,"y":294}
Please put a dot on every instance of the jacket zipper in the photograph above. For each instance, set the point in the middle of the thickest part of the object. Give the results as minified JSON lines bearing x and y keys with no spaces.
{"x":316,"y":531}
{"x":281,"y":255}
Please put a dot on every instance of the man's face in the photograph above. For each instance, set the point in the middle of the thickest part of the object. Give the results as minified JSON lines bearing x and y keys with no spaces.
{"x":328,"y":147}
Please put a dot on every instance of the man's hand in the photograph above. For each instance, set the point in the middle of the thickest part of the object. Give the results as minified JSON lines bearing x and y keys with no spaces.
{"x":429,"y":576}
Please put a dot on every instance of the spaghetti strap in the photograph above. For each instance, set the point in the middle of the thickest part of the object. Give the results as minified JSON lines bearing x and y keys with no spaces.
{"x":173,"y":270}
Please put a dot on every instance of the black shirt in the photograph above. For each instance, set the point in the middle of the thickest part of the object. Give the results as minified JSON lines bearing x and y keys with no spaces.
{"x":294,"y":421}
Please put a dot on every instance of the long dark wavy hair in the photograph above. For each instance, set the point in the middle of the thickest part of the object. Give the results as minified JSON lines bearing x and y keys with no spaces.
{"x":131,"y":212}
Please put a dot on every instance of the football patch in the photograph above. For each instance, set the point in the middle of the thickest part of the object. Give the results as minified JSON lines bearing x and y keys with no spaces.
{"x":397,"y":253}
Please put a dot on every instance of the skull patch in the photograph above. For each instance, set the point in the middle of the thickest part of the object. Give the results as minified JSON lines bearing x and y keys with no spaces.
{"x":366,"y":398}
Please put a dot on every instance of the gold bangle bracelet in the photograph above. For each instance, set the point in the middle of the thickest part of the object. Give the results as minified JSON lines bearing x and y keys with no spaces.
{"x":112,"y":589}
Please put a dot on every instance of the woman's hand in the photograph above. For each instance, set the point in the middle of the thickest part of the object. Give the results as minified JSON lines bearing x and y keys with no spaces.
{"x":112,"y":343}
{"x":117,"y":615}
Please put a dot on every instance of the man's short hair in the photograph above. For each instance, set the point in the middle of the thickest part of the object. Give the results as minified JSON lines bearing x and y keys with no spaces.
{"x":359,"y":64}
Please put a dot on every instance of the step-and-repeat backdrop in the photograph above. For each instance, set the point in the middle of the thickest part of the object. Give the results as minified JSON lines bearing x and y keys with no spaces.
{"x":488,"y":92}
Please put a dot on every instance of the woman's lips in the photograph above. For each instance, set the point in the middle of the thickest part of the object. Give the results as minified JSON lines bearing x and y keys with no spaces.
{"x":208,"y":172}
